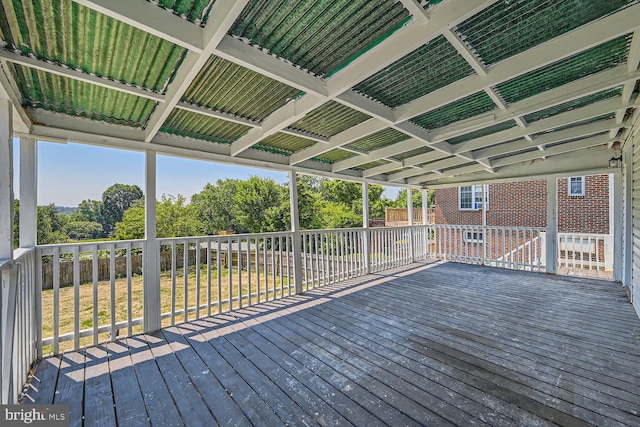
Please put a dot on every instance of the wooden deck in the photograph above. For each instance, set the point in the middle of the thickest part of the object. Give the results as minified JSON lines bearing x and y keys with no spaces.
{"x":434,"y":344}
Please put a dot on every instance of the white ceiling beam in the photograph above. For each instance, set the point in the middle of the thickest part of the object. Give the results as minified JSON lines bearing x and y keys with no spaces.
{"x":379,"y":154}
{"x":365,"y":105}
{"x":421,"y":158}
{"x":557,"y":149}
{"x":216,"y":114}
{"x":71,"y":73}
{"x":254,"y":59}
{"x":414,"y":35}
{"x":464,"y":51}
{"x":361,"y":130}
{"x":449,"y":173}
{"x":437,"y":165}
{"x":152,"y":19}
{"x":222,"y":17}
{"x":573,"y":116}
{"x":9,"y":88}
{"x":562,"y":135}
{"x":415,"y":9}
{"x":561,"y":47}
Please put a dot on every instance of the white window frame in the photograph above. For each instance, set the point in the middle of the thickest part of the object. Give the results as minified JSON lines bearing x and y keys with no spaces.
{"x":570,"y":187}
{"x":473,"y":236}
{"x":476,"y":198}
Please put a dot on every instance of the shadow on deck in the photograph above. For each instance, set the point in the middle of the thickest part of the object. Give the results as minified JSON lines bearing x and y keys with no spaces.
{"x":430,"y":344}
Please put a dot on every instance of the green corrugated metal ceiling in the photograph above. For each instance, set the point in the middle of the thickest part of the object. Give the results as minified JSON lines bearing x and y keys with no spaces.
{"x":193,"y":125}
{"x":580,"y":123}
{"x":461,"y":109}
{"x":225,"y":86}
{"x":482,"y":132}
{"x":599,"y":58}
{"x":329,"y":119}
{"x":286,"y":143}
{"x":412,"y":153}
{"x":63,"y":32}
{"x":195,"y":11}
{"x":572,"y":105}
{"x":318,"y":35}
{"x":334,"y":155}
{"x":429,"y":3}
{"x":63,"y":95}
{"x":428,"y":68}
{"x":509,"y":27}
{"x":378,"y":140}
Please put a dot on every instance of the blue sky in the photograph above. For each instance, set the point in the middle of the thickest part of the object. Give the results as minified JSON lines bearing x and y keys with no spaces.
{"x":70,"y":173}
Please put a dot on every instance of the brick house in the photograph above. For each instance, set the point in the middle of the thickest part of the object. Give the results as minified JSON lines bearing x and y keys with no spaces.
{"x":584,"y":209}
{"x":583,"y":219}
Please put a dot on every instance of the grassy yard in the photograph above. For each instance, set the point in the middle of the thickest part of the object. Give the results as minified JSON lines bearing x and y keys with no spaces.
{"x":86,"y":306}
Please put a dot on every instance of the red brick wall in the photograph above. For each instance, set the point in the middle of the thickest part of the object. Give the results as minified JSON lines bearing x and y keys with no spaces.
{"x":588,"y":213}
{"x":524,"y":204}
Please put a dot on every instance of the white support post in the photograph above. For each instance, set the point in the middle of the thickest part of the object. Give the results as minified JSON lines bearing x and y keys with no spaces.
{"x":151,"y":268}
{"x":627,"y":229}
{"x":412,"y":252}
{"x":28,"y":192}
{"x":295,"y":228}
{"x":615,"y":187}
{"x":7,"y":277}
{"x":365,"y":226}
{"x":552,"y":226}
{"x":425,"y":221}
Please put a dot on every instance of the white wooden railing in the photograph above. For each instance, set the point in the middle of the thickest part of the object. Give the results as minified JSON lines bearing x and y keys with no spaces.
{"x":74,"y":295}
{"x":516,"y":248}
{"x":19,"y":322}
{"x":585,"y":251}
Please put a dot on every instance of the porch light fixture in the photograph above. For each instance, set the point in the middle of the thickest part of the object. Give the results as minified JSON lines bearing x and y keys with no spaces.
{"x":616,"y":160}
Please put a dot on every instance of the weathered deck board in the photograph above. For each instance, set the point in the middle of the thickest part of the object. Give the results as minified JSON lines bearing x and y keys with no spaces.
{"x":431,"y":344}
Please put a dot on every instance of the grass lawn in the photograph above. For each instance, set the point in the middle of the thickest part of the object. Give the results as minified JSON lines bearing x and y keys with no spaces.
{"x":86,"y":306}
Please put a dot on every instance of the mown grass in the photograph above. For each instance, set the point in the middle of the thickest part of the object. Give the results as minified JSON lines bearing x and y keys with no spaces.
{"x":121,"y":293}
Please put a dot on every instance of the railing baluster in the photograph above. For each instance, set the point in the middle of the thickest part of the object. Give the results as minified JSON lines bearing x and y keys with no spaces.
{"x":185,"y":279}
{"x":129,"y":291}
{"x":249,"y":272}
{"x":112,"y":280}
{"x":281,"y":264}
{"x":239,"y":272}
{"x":209,"y":277}
{"x":94,"y":272}
{"x":230,"y":273}
{"x":219,"y":272}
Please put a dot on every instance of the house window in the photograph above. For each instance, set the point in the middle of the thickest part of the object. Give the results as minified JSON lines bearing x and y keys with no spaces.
{"x":473,"y":237}
{"x":470,"y":198}
{"x":576,"y":186}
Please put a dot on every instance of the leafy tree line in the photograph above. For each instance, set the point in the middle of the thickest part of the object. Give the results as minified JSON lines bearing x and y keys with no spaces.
{"x":255,"y":205}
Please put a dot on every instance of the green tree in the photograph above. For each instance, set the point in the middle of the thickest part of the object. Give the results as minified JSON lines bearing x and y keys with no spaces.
{"x":115,"y":201}
{"x":51,"y":225}
{"x":257,"y":205}
{"x":214,"y":206}
{"x":16,"y":223}
{"x":132,"y":224}
{"x":78,"y":230}
{"x":88,"y":210}
{"x":401,"y":198}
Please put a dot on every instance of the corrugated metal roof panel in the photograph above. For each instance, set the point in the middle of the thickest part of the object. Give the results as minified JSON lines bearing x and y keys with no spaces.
{"x":67,"y":33}
{"x":599,"y":58}
{"x":396,"y":171}
{"x":334,"y":155}
{"x":318,"y":35}
{"x":566,"y":141}
{"x":461,"y":109}
{"x":416,"y":152}
{"x":426,"y":4}
{"x":196,"y":11}
{"x":225,"y":86}
{"x":482,"y":132}
{"x":286,"y":143}
{"x":56,"y":93}
{"x":329,"y":119}
{"x":509,"y":27}
{"x":372,"y":164}
{"x":572,"y":105}
{"x":187,"y":123}
{"x":378,"y":140}
{"x":424,"y":70}
{"x":513,"y":153}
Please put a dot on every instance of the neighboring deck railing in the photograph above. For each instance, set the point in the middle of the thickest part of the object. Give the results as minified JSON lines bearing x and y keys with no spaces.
{"x":69,"y":296}
{"x":585,"y":251}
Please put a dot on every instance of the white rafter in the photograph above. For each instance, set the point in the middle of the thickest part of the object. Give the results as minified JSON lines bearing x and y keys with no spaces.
{"x":71,"y":73}
{"x":223,"y":14}
{"x":9,"y":88}
{"x":415,"y":9}
{"x":152,"y":19}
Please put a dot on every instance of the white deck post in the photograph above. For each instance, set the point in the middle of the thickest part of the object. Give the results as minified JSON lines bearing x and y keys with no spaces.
{"x":425,"y":221}
{"x":615,"y":187}
{"x":552,"y":226}
{"x":28,"y":192}
{"x":295,"y":228}
{"x":627,"y":228}
{"x":365,"y":226}
{"x":151,"y":268}
{"x":412,"y":252}
{"x":7,"y":278}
